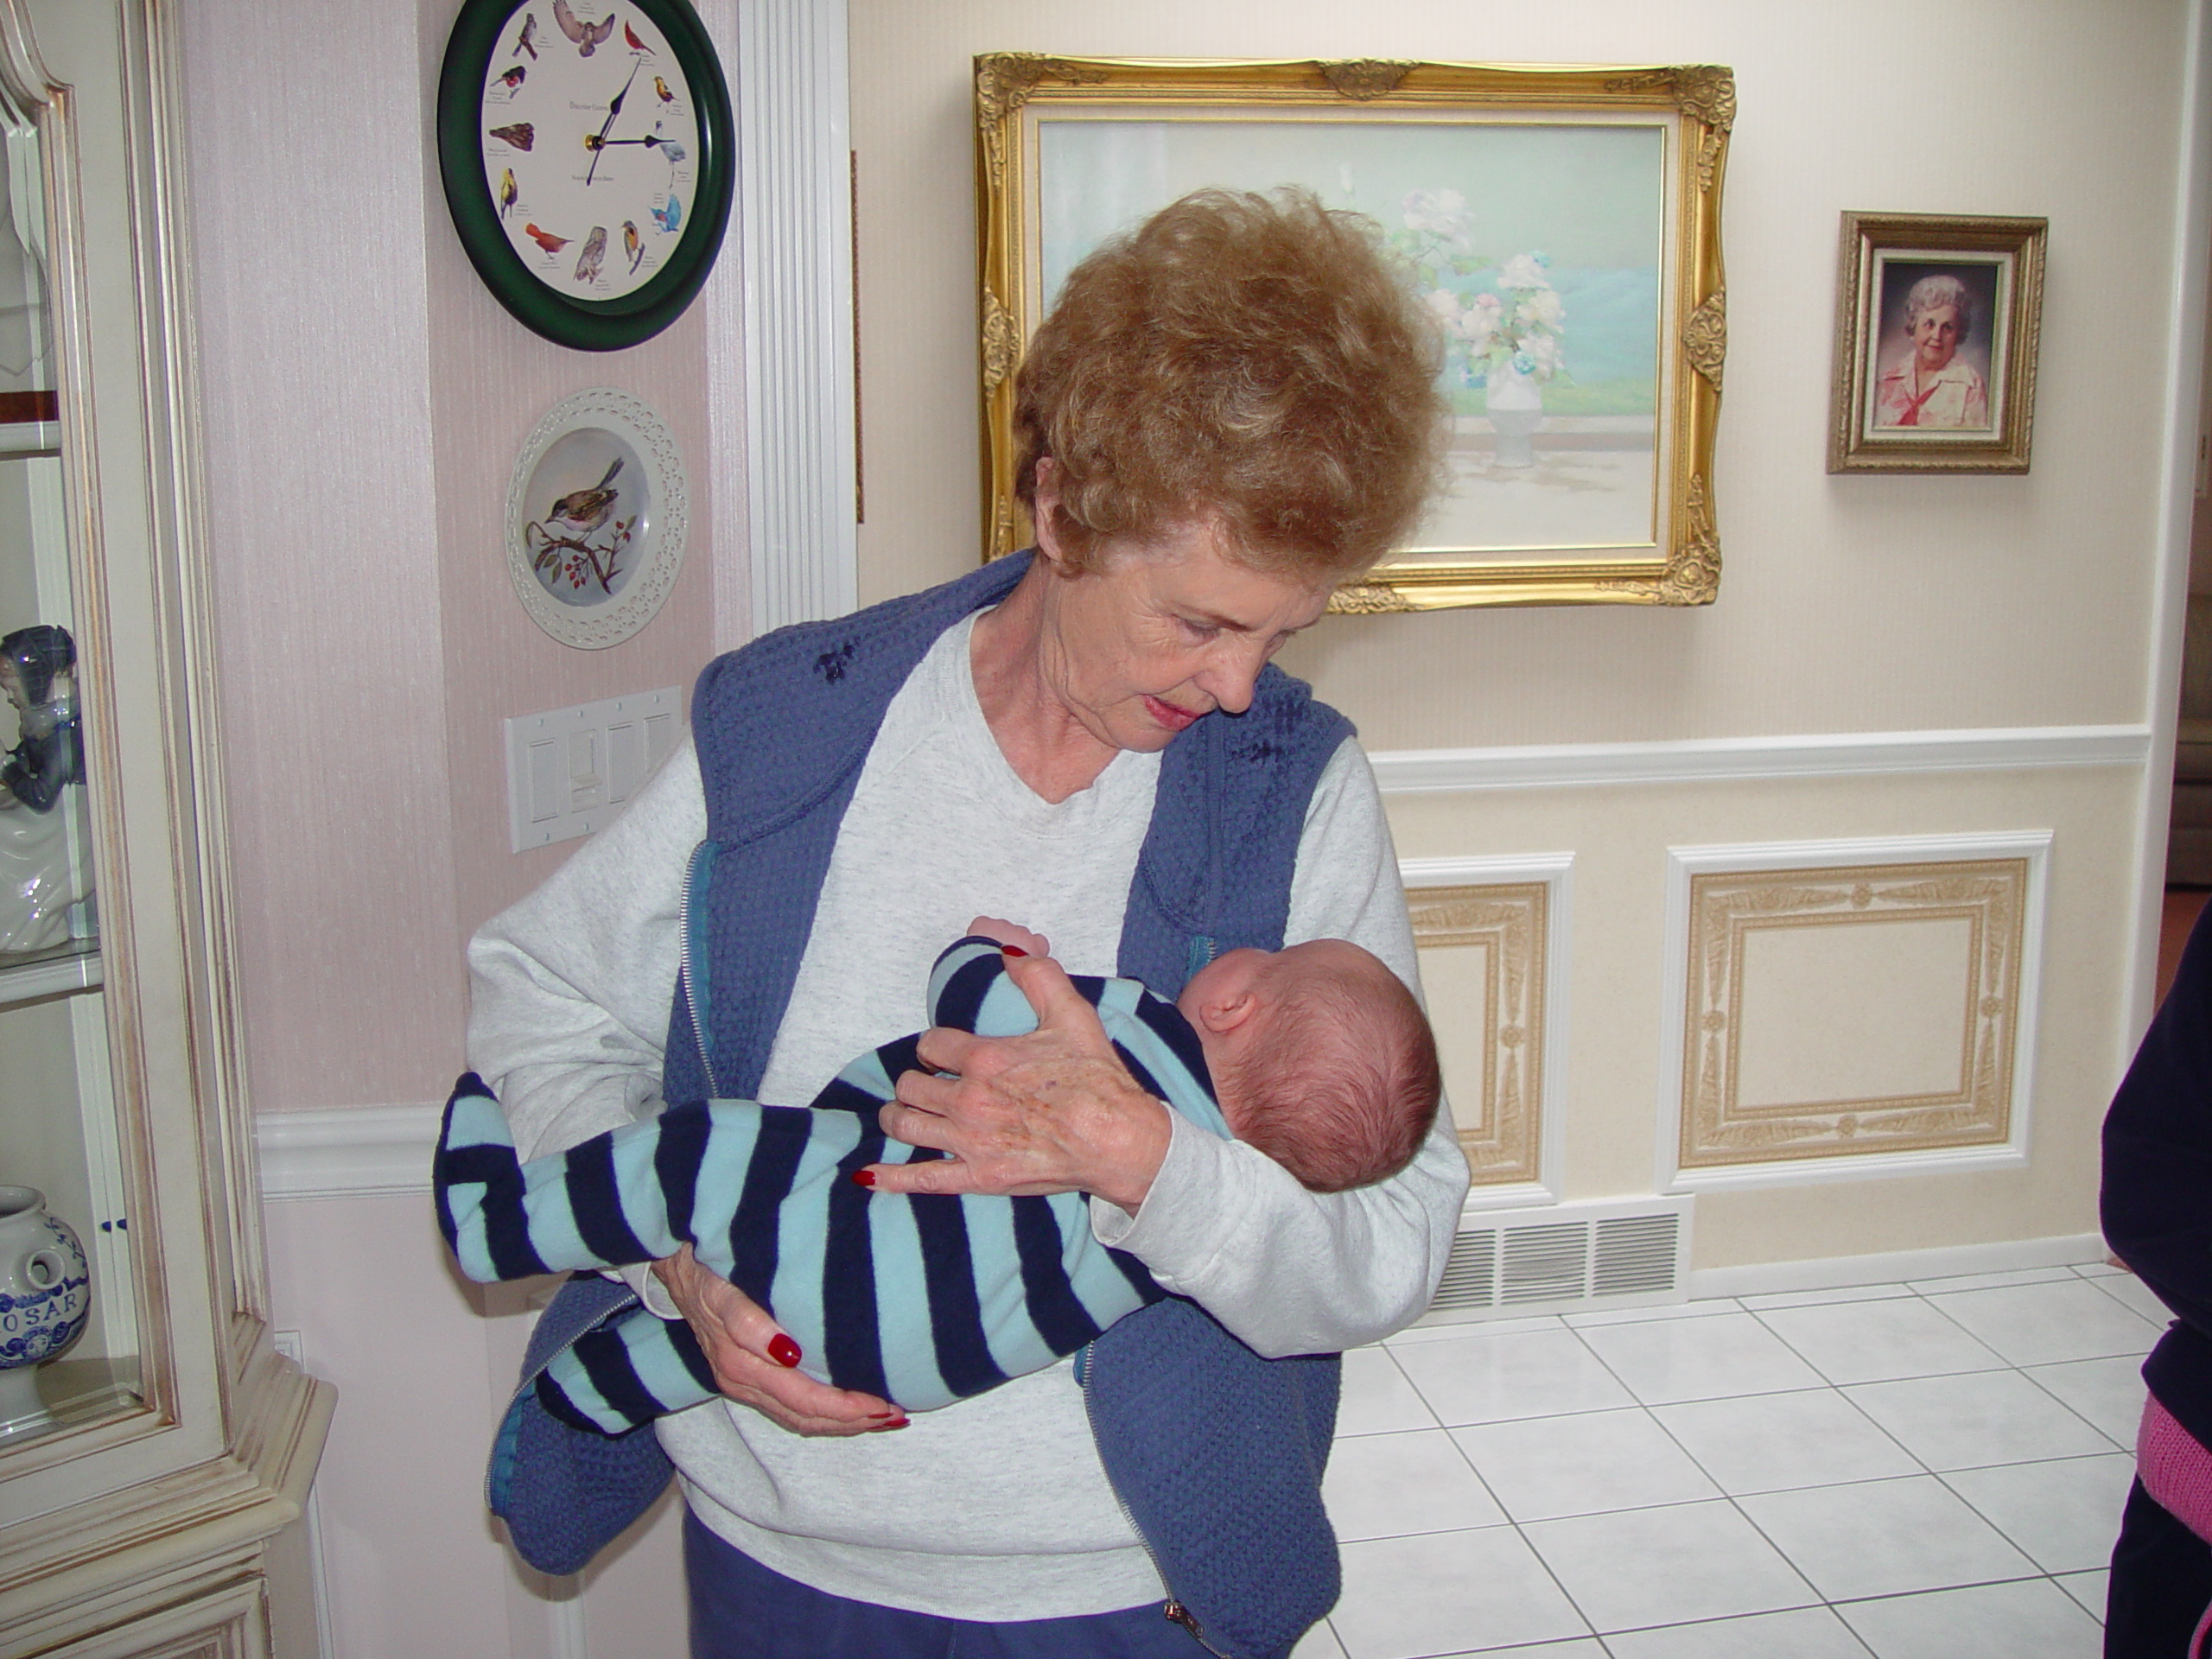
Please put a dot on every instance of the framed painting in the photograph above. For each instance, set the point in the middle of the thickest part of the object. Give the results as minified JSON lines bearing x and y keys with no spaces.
{"x":1937,"y":319}
{"x":1564,"y":225}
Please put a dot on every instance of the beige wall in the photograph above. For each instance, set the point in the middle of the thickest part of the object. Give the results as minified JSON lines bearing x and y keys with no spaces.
{"x":1846,"y":604}
{"x":1853,"y":604}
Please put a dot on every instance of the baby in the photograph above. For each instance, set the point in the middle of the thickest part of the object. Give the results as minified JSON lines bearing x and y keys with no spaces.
{"x":1316,"y":1055}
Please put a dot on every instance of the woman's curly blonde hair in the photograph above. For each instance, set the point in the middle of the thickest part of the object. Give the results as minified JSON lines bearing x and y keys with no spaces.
{"x":1251,"y":361}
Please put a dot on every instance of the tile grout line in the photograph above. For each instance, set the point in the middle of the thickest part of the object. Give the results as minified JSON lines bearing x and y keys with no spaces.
{"x":1589,"y":1624}
{"x":1436,"y":1421}
{"x":1644,"y":1406}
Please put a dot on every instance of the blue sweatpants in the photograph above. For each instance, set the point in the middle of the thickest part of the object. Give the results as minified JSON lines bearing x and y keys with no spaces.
{"x":741,"y":1610}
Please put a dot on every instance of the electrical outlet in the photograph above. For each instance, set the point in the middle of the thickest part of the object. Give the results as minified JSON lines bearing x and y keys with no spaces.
{"x":570,"y":770}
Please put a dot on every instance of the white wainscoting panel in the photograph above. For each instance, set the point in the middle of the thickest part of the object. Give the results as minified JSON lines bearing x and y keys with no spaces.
{"x":1513,"y":916}
{"x":1908,"y":932}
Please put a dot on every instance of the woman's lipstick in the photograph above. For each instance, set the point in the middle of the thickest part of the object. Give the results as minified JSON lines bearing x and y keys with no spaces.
{"x":1168,"y":714}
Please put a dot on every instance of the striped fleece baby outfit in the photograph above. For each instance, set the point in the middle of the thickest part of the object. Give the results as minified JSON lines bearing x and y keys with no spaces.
{"x":922,"y":1299}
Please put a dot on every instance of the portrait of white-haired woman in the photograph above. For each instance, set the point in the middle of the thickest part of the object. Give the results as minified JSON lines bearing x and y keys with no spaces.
{"x":1929,"y":384}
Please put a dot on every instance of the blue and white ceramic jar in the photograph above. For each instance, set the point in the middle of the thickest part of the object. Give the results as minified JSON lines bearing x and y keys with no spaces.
{"x":46,"y":1296}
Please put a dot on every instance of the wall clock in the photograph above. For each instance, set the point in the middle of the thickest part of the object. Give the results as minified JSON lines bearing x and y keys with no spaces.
{"x":587,"y":150}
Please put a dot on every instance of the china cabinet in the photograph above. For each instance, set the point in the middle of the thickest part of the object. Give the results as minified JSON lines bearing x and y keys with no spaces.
{"x":153,"y":1469}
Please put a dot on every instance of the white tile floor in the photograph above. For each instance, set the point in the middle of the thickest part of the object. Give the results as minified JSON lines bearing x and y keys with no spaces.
{"x":1929,"y":1468}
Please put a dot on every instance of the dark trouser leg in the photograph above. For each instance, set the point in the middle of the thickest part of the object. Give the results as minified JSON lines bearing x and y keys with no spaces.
{"x":741,"y":1610}
{"x":2161,"y":1584}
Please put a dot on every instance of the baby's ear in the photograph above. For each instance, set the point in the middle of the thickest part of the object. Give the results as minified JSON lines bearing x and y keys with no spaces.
{"x":1222,"y":1014}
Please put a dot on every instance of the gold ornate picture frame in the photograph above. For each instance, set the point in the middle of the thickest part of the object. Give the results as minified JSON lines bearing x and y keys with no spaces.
{"x":1937,"y":322}
{"x":1564,"y":223}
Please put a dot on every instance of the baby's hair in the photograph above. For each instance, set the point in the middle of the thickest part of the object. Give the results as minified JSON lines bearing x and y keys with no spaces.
{"x":1344,"y":1083}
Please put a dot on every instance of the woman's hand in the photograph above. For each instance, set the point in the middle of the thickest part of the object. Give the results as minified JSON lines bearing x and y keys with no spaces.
{"x":1052,"y":1111}
{"x":752,"y":1357}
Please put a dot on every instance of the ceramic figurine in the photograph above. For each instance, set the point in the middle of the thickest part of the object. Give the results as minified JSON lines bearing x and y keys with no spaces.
{"x":46,"y":1296}
{"x":40,"y":881}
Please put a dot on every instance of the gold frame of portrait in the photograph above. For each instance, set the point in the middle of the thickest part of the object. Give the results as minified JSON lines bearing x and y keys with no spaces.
{"x":1934,"y":238}
{"x":1698,"y":102}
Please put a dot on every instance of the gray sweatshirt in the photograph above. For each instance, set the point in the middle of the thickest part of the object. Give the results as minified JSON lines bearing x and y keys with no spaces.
{"x":995,"y":1507}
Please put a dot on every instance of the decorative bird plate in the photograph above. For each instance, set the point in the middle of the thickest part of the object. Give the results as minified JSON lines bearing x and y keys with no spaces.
{"x":587,"y":147}
{"x":596,"y":517}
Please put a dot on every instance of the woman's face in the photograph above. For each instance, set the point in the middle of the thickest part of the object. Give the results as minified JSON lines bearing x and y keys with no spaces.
{"x":1155,"y":635}
{"x":1935,"y":336}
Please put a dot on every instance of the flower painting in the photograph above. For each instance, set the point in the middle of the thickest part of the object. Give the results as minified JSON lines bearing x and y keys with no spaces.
{"x":1559,"y":224}
{"x":1537,"y":247}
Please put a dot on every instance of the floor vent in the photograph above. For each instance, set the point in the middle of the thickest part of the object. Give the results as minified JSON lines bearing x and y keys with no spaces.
{"x":1629,"y":1252}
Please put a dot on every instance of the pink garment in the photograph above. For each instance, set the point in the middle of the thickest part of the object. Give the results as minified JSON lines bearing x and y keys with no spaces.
{"x":1953,"y":395}
{"x":2176,"y":1471}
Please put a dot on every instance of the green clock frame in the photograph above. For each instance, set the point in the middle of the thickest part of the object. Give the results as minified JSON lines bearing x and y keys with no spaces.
{"x":585,"y":325}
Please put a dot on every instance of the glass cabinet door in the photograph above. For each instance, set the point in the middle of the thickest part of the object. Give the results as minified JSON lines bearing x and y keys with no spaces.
{"x":68,"y":1328}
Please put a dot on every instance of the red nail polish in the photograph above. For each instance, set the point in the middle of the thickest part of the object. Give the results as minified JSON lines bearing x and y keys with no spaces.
{"x":1012,"y":950}
{"x":863,"y":1177}
{"x":901,"y":1423}
{"x":783,"y":1350}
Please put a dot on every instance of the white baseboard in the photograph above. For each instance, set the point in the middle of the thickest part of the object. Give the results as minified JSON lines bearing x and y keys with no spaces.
{"x":1894,"y":1266}
{"x":1811,"y":754}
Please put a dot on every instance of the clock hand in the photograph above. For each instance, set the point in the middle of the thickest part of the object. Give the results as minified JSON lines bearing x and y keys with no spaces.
{"x":615,"y":109}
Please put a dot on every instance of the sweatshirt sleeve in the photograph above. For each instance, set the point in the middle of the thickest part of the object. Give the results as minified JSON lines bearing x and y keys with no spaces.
{"x":1287,"y":1270}
{"x":569,"y":989}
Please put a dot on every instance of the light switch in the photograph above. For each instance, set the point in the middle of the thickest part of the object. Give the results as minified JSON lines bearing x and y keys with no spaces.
{"x":570,"y":770}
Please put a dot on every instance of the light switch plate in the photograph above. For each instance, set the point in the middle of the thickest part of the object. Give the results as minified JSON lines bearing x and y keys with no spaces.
{"x":570,"y":770}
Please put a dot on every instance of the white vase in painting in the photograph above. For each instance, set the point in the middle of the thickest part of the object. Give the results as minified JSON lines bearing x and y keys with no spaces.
{"x":46,"y":1296}
{"x":1515,"y":403}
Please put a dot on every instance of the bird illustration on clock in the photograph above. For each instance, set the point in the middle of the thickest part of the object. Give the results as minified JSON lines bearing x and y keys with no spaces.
{"x":589,"y":37}
{"x":595,"y":254}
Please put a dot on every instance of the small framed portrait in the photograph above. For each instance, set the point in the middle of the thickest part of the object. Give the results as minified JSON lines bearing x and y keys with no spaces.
{"x":1936,"y":323}
{"x":596,"y":519}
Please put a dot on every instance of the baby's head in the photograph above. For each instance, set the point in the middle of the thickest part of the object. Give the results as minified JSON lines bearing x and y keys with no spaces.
{"x":1320,"y":1057}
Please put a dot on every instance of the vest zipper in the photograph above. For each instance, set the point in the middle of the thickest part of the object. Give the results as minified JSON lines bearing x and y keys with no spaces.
{"x":683,"y":974}
{"x":1174,"y":1610}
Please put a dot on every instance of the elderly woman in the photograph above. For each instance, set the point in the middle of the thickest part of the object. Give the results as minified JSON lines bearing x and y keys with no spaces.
{"x":1930,"y":385}
{"x":1228,"y":411}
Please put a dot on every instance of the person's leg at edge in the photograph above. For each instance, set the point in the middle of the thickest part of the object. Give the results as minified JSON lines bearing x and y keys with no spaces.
{"x":2161,"y":1584}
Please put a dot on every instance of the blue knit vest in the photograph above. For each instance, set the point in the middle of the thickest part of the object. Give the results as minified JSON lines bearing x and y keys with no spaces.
{"x":1216,"y":1453}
